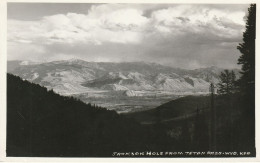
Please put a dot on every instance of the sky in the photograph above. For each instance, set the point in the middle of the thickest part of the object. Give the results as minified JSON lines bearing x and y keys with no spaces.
{"x":186,"y":36}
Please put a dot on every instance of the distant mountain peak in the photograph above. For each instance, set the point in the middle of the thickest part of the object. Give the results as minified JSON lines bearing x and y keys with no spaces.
{"x":28,"y":62}
{"x":75,"y":60}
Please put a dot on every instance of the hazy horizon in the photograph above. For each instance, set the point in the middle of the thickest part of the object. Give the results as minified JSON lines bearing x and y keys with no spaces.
{"x":172,"y":66}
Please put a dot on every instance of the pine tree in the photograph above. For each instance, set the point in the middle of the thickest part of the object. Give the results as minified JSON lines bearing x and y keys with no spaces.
{"x":201,"y":136}
{"x":247,"y":80}
{"x":185,"y":135}
{"x":227,"y":82}
{"x":247,"y":59}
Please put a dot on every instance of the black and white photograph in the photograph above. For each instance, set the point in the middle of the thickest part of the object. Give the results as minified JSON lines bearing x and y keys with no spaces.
{"x":130,"y":80}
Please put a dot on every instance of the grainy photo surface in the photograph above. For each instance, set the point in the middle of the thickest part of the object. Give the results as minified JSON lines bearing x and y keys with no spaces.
{"x":130,"y":80}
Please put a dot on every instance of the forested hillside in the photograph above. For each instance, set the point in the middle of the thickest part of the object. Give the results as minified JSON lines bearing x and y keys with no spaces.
{"x":42,"y":123}
{"x":187,"y":121}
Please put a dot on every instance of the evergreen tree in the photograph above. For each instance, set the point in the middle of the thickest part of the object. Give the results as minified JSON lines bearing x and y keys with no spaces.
{"x":233,"y":79}
{"x":227,"y":82}
{"x":247,"y":59}
{"x":185,"y":135}
{"x":201,"y":136}
{"x":247,"y":79}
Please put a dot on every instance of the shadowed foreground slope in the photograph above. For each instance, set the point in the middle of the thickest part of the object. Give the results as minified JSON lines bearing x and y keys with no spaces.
{"x":42,"y":123}
{"x":187,"y":121}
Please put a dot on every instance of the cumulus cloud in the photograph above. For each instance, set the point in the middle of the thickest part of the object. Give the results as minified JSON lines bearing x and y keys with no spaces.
{"x":169,"y":34}
{"x":199,"y":20}
{"x":120,"y":26}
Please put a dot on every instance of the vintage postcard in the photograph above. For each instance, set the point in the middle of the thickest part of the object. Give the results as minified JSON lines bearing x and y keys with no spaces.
{"x":142,"y":80}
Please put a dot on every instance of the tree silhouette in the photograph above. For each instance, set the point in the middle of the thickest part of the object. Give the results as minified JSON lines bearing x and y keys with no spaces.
{"x":227,"y":82}
{"x":247,"y":79}
{"x":247,"y":59}
{"x":201,"y":137}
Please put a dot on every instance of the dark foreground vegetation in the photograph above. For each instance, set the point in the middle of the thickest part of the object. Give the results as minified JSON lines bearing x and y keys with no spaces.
{"x":42,"y":123}
{"x":187,"y":121}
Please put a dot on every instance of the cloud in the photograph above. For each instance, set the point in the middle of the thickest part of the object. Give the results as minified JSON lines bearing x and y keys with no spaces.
{"x":169,"y":34}
{"x":120,"y":26}
{"x":124,"y":24}
{"x":185,"y":19}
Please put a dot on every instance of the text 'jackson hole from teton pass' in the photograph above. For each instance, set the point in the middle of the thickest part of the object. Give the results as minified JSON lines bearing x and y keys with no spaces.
{"x":130,"y":80}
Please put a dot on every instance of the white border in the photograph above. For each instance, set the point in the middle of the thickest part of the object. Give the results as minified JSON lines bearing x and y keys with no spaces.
{"x":3,"y":62}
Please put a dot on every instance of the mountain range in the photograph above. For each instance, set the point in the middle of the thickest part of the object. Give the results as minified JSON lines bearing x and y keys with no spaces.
{"x":118,"y":80}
